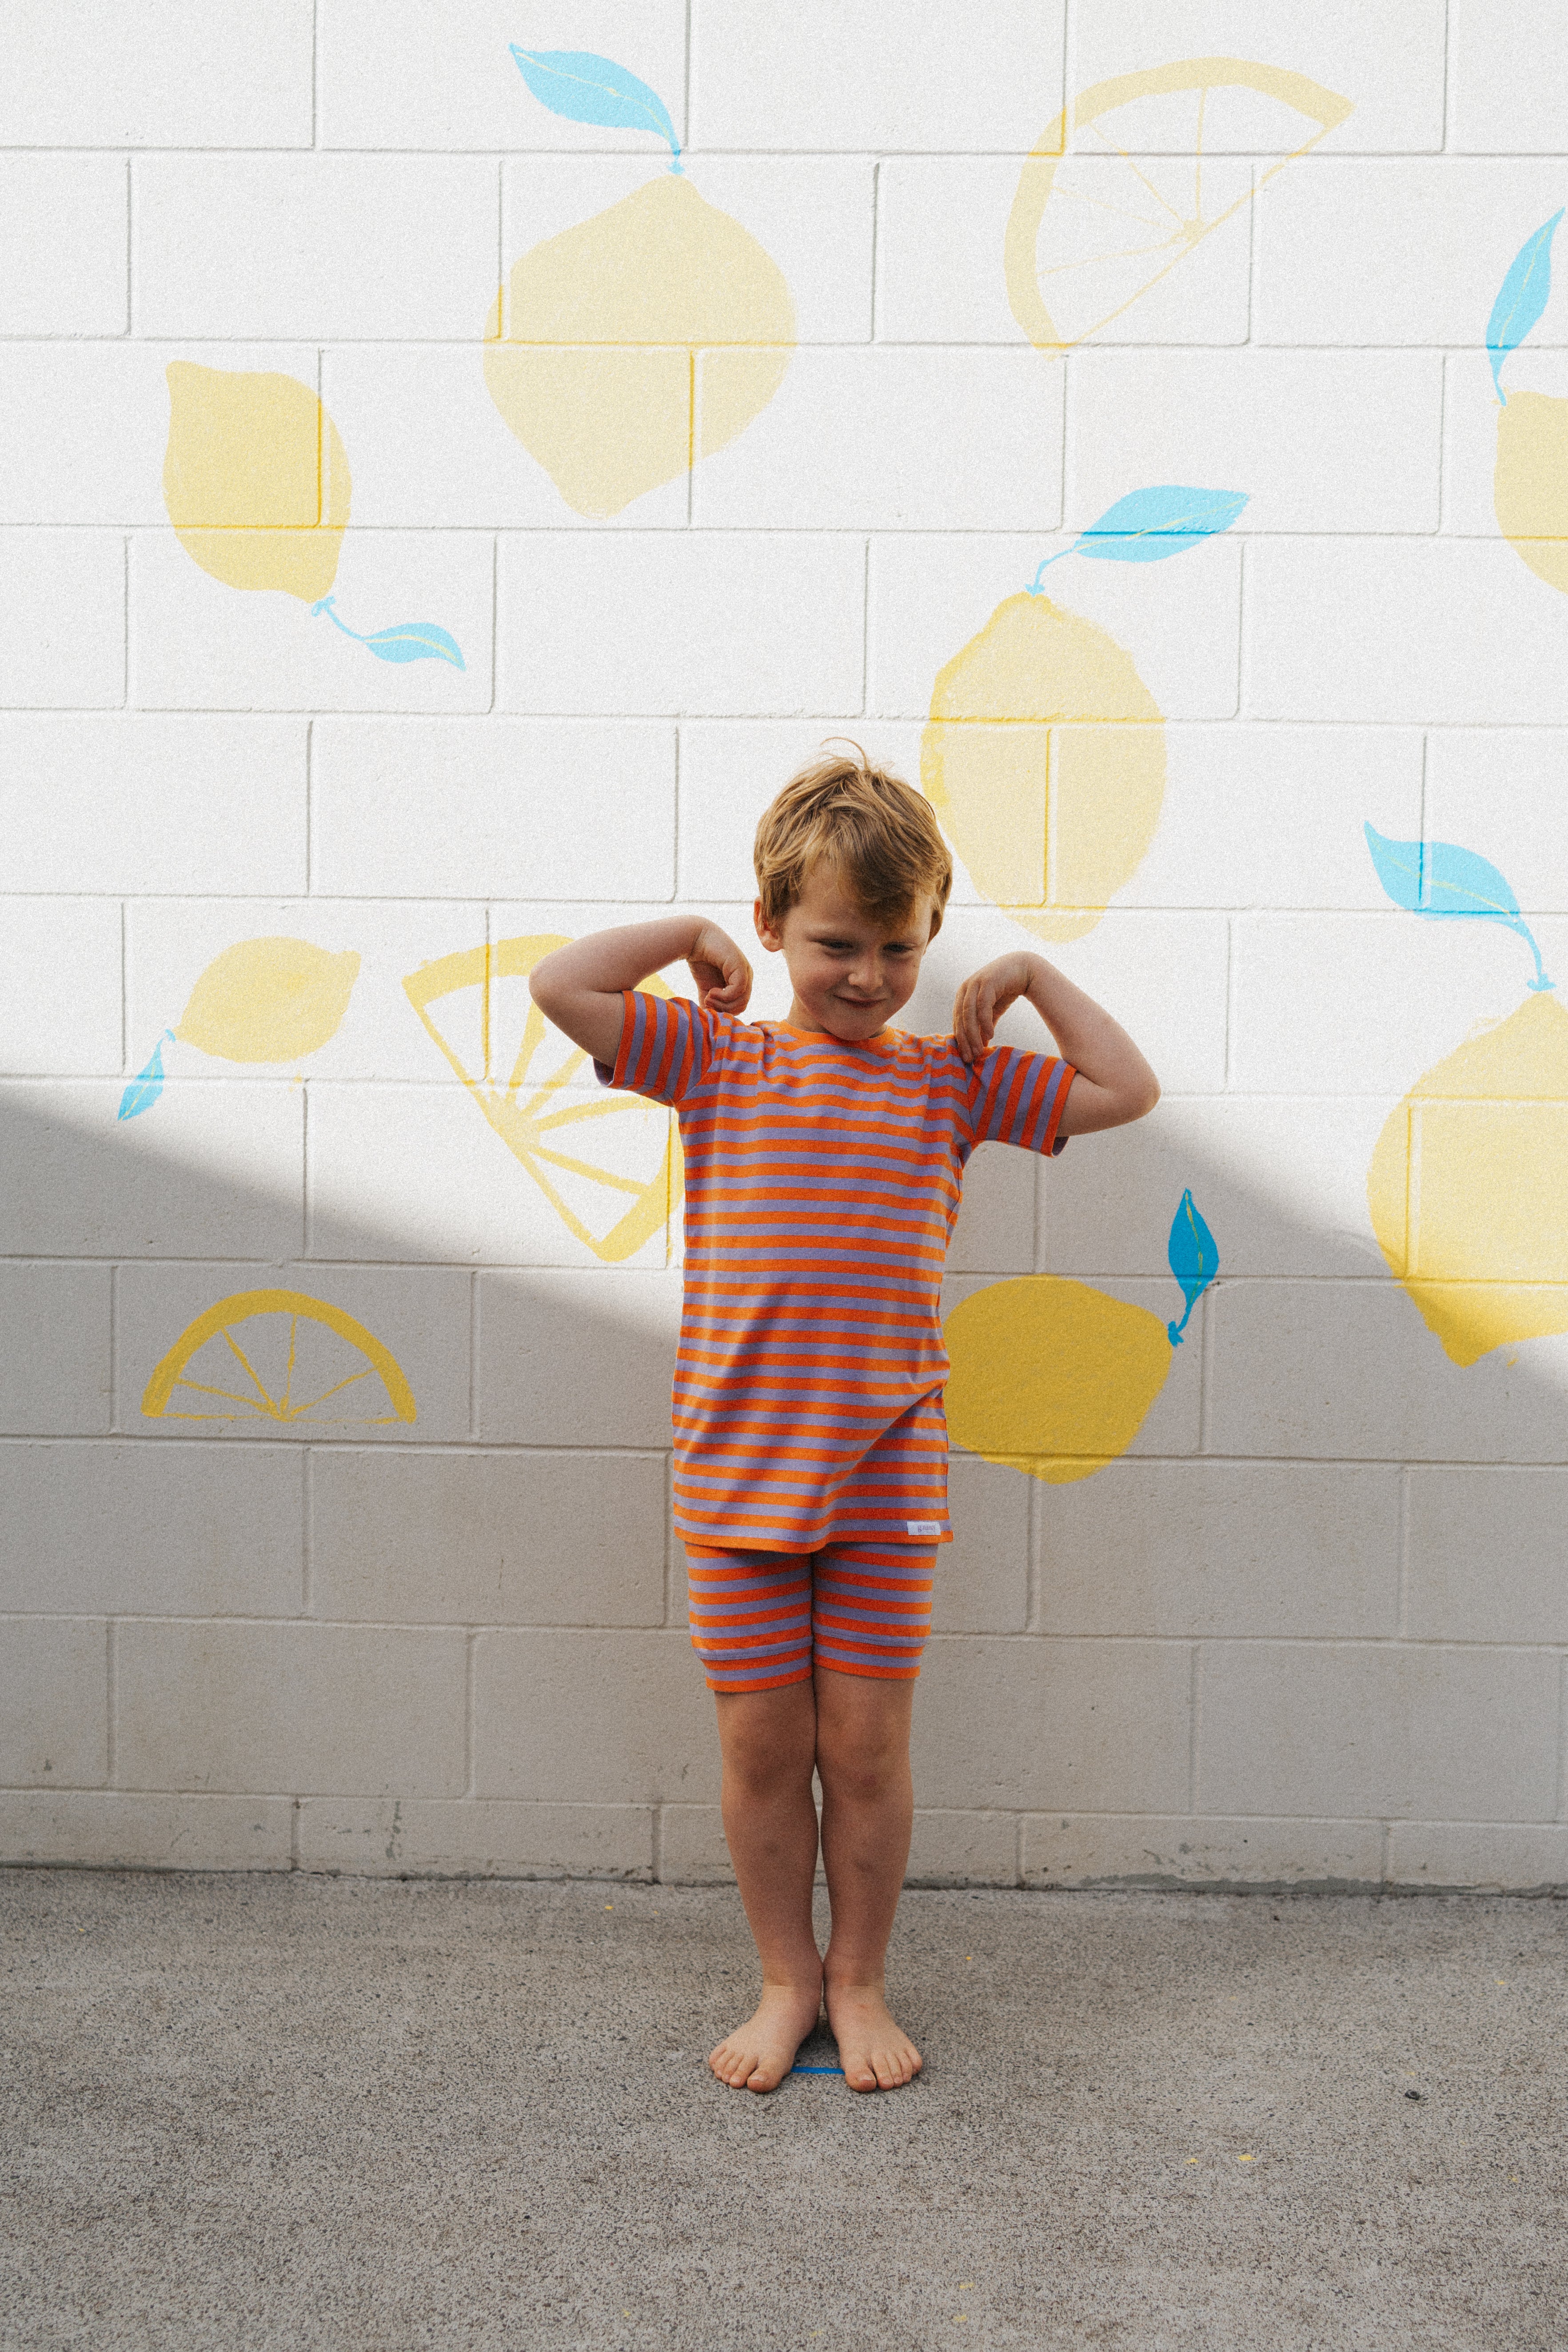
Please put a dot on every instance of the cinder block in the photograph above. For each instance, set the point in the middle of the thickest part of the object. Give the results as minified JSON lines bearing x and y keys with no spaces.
{"x":885,"y":439}
{"x":467,"y":1837}
{"x":1358,"y":1728}
{"x":905,"y":75}
{"x":66,"y":274}
{"x":1182,"y":1849}
{"x":420,"y":1314}
{"x":543,"y":811}
{"x":87,"y":74}
{"x":995,"y":1229}
{"x":199,"y":645}
{"x":983,"y":1576}
{"x":731,"y":770}
{"x":62,"y":618}
{"x":54,"y":1702}
{"x":1388,"y":60}
{"x":959,"y":1848}
{"x":1237,"y":1548}
{"x":1506,"y":97}
{"x":1479,"y":1857}
{"x":212,"y":1168}
{"x":1489,"y":1554}
{"x":1277,"y":425}
{"x":692,"y":1848}
{"x":59,"y":966}
{"x":334,"y":246}
{"x":1016,"y":1721}
{"x":488,"y":1540}
{"x":58,"y":1384}
{"x":1472,"y":416}
{"x":680,"y":624}
{"x":569,"y":1359}
{"x":114,"y":1830}
{"x":172,"y":1530}
{"x":344,"y":1710}
{"x":590,"y":1717}
{"x":157,"y":803}
{"x":1487,"y":791}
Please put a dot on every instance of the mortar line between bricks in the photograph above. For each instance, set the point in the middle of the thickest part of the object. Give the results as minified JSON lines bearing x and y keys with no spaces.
{"x":1447,"y":36}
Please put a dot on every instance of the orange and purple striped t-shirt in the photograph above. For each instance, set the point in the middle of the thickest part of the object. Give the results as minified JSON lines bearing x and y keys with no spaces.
{"x":822,"y":1181}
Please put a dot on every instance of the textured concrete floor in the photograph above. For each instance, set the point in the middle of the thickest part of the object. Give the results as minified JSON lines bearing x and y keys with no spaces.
{"x":301,"y":2111}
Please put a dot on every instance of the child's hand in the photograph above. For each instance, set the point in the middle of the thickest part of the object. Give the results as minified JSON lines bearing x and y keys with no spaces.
{"x":984,"y":998}
{"x":724,"y":976}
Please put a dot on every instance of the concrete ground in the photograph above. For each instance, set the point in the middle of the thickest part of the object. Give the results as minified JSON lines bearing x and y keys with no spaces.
{"x":255,"y":2111}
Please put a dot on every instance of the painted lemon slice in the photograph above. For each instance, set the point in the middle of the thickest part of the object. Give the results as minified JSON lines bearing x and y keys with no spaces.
{"x":279,"y":1356}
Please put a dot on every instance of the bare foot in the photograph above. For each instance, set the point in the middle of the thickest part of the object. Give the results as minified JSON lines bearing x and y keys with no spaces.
{"x":759,"y":2055}
{"x":875,"y":2051}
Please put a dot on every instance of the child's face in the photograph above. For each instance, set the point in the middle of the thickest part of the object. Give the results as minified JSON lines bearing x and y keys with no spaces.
{"x":851,"y":974}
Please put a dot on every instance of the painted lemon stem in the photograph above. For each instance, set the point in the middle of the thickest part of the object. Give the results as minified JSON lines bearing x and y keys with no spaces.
{"x":584,"y":88}
{"x":1521,"y":298}
{"x":1440,"y":880}
{"x":1194,"y":1259}
{"x":407,"y":641}
{"x":1147,"y":525}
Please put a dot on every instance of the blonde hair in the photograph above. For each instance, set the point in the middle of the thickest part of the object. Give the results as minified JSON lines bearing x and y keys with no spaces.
{"x":878,"y":832}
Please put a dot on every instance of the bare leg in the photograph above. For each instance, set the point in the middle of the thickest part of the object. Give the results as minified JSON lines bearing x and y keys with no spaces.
{"x":868,"y":1810}
{"x":769,"y":1742}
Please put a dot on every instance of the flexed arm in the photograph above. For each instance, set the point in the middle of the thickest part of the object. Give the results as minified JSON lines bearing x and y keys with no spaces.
{"x":580,"y":987}
{"x":1114,"y":1083}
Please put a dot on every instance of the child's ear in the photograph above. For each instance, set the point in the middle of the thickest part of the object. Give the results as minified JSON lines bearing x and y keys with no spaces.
{"x":765,"y":931}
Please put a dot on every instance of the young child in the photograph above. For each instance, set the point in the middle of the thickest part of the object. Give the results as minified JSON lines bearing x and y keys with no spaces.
{"x":824,"y":1156}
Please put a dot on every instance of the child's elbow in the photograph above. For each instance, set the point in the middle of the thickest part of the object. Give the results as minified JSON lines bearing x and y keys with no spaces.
{"x":1148,"y":1098}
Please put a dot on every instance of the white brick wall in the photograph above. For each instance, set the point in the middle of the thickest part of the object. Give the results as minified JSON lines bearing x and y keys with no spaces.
{"x":1313,"y":1629}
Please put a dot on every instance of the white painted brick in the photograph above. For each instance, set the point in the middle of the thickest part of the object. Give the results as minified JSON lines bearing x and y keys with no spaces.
{"x":1507,"y":78}
{"x":1368,"y":1728}
{"x":528,"y":1539}
{"x":1506,"y":1857}
{"x":995,"y":1229}
{"x":335,"y":247}
{"x":1277,"y":425}
{"x":117,"y":1829}
{"x":570,"y":1359}
{"x":199,"y":644}
{"x":1433,"y":631}
{"x":1180,"y":621}
{"x":420,"y":1314}
{"x":472,"y":1837}
{"x":731,"y":770}
{"x":66,"y":274}
{"x":1388,"y":60}
{"x":983,"y":1576}
{"x":893,"y":440}
{"x":98,"y":1526}
{"x":692,"y":1848}
{"x":1344,"y":247}
{"x":211,"y":1169}
{"x":960,"y":1849}
{"x":941,"y":223}
{"x":57,"y":1385}
{"x":393,"y":74}
{"x":59,"y":965}
{"x":1488,"y":791}
{"x":1185,"y":1850}
{"x":62,"y":620}
{"x":521,"y":809}
{"x":1470,"y":412}
{"x":54,"y":1702}
{"x":164,"y":802}
{"x":554,"y":1720}
{"x":1019,"y":1722}
{"x":905,"y":74}
{"x":85,"y":73}
{"x":1489,"y":1554}
{"x":1189,"y":1548}
{"x":345,"y":1710}
{"x":680,"y":624}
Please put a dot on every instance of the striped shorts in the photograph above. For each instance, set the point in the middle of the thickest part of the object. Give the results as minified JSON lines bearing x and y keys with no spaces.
{"x":762,"y":1619}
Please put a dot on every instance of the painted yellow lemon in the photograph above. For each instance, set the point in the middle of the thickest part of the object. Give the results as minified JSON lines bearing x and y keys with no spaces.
{"x":1045,"y":761}
{"x":1052,"y":1376}
{"x":1468,"y":1185}
{"x":269,"y":1000}
{"x":278,"y":1356}
{"x":629,"y":346}
{"x":255,"y":478}
{"x":1530,"y":487}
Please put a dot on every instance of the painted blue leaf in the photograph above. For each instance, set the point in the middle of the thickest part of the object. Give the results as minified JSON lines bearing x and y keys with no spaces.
{"x":147,"y":1085}
{"x":415,"y":641}
{"x":1438,"y":878}
{"x":1521,"y":298}
{"x":1147,"y":525}
{"x":586,"y":88}
{"x":1194,"y":1260}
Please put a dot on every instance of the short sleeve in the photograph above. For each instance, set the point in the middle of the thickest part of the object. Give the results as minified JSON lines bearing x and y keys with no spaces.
{"x":1017,"y":1097}
{"x":667,"y":1046}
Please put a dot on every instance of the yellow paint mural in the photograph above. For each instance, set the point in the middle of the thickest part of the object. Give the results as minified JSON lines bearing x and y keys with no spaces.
{"x":278,"y":1356}
{"x":1098,"y":228}
{"x":620,"y":1182}
{"x":255,"y":478}
{"x":1529,"y":484}
{"x":272,"y":999}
